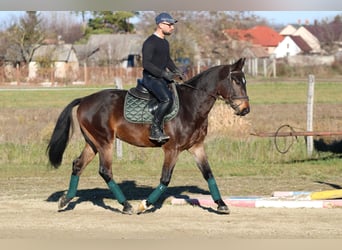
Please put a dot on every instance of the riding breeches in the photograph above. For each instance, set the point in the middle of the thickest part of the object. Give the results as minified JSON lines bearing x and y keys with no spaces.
{"x":159,"y":89}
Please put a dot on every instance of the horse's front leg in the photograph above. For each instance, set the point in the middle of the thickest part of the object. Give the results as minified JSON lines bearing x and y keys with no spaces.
{"x":168,"y":166}
{"x":203,"y":164}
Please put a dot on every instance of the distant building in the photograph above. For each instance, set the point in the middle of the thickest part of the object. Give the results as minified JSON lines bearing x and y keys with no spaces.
{"x":122,"y":50}
{"x":291,"y":46}
{"x":61,"y":57}
{"x":263,"y":36}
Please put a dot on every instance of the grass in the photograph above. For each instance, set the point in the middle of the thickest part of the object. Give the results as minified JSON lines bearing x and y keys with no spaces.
{"x":229,"y":156}
{"x":38,"y":98}
{"x":259,"y":93}
{"x":293,"y":93}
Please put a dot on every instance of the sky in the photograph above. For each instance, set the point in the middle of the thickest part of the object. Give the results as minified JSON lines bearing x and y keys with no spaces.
{"x":274,"y":17}
{"x":287,"y":17}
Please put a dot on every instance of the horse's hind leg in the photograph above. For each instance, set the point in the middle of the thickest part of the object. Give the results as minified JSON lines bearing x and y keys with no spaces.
{"x":78,"y":166}
{"x":203,"y":164}
{"x":105,"y":170}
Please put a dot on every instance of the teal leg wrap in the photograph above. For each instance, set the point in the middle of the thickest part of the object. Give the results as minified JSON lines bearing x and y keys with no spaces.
{"x":154,"y":196}
{"x":116,"y":191}
{"x":72,"y":186}
{"x":215,"y":193}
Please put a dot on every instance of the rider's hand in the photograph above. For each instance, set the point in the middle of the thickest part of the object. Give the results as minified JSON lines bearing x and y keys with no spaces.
{"x":169,"y":76}
{"x":180,"y":75}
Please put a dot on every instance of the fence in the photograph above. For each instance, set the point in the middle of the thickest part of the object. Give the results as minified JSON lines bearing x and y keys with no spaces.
{"x":85,"y":75}
{"x":261,"y":66}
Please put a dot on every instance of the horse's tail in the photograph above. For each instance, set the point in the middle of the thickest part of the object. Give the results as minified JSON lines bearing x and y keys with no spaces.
{"x":61,"y":134}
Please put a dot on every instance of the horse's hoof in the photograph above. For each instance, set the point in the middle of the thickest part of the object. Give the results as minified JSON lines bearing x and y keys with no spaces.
{"x":63,"y":201}
{"x":142,"y":207}
{"x":223,"y":209}
{"x":127,"y":209}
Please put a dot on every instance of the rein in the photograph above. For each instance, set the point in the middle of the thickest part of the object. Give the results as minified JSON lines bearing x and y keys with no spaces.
{"x":192,"y":87}
{"x":217,"y":97}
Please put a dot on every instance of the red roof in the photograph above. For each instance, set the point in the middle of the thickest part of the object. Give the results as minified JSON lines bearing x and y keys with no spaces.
{"x":261,"y":35}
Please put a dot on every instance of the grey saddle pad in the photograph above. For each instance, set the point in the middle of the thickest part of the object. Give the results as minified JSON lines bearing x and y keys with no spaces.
{"x":136,"y":110}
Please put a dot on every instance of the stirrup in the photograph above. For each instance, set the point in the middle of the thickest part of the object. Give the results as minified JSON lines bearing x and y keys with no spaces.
{"x":157,"y":134}
{"x":161,"y":138}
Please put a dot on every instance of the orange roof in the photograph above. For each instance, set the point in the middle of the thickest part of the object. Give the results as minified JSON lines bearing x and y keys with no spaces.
{"x":261,"y":35}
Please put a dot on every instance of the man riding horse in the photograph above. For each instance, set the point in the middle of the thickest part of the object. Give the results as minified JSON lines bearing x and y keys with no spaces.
{"x":159,"y":71}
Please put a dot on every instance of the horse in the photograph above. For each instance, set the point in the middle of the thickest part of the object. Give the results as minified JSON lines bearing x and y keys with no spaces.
{"x":101,"y":119}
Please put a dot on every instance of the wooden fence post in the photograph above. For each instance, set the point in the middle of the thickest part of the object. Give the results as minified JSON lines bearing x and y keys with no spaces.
{"x":309,"y":123}
{"x":118,"y":142}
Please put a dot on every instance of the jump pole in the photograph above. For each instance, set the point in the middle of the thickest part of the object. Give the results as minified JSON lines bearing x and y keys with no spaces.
{"x":327,"y":194}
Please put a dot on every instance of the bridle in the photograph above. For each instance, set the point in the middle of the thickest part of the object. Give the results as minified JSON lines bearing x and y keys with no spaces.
{"x":233,"y":97}
{"x":215,"y":96}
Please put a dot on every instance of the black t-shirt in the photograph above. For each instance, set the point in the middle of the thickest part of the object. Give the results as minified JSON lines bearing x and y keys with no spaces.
{"x":156,"y":56}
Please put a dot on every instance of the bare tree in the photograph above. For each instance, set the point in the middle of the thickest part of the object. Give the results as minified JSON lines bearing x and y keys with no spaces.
{"x":25,"y":35}
{"x":62,"y":25}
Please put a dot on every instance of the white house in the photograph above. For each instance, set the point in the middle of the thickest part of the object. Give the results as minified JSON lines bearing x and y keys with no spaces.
{"x":310,"y":39}
{"x":288,"y":30}
{"x":291,"y":46}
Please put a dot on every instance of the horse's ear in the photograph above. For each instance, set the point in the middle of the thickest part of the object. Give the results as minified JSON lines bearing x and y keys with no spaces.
{"x":239,"y":64}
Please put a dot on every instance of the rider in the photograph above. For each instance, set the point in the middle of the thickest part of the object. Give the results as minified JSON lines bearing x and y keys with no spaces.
{"x":158,"y":71}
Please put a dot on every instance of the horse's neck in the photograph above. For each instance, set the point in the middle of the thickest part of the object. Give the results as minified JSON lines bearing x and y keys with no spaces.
{"x":196,"y":98}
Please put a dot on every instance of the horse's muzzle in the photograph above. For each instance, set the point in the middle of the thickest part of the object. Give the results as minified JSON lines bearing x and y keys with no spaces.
{"x":242,"y":112}
{"x":241,"y":107}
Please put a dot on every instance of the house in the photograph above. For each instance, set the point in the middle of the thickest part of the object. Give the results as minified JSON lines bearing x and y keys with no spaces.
{"x":12,"y":60}
{"x":62,"y":57}
{"x":322,"y":38}
{"x":259,"y":35}
{"x":122,"y":50}
{"x":288,"y":30}
{"x":254,"y":51}
{"x":257,"y":59}
{"x":291,"y":46}
{"x":306,"y":34}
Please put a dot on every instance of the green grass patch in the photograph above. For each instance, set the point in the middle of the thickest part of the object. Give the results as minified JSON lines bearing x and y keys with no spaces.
{"x":293,"y":93}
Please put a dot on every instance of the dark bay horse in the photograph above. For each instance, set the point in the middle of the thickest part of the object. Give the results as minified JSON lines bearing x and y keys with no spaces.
{"x":101,"y":120}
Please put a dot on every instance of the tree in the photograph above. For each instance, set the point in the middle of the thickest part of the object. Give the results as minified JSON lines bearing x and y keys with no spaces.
{"x":108,"y":22}
{"x":62,"y":25}
{"x":26,"y":35}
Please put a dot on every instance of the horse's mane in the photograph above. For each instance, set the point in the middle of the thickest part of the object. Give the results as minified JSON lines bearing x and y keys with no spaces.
{"x":205,"y":73}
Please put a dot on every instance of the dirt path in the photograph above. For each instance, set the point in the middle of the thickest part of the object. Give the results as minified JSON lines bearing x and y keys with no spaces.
{"x":29,"y":217}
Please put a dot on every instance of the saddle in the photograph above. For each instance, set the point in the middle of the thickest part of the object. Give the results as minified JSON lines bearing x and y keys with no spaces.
{"x":140,"y":104}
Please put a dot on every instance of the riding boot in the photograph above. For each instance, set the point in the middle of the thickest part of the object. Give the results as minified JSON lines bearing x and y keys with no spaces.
{"x":156,"y":131}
